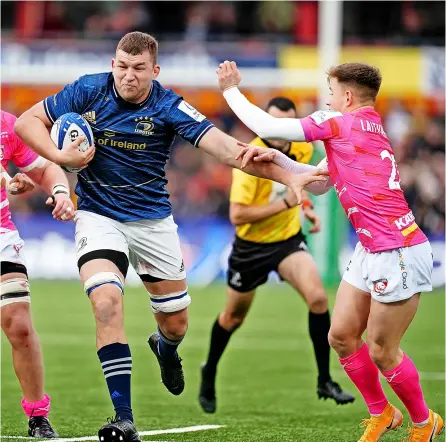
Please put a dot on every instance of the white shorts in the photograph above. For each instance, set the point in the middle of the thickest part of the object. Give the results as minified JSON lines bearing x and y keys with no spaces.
{"x":12,"y":247}
{"x":151,"y":246}
{"x":393,"y":275}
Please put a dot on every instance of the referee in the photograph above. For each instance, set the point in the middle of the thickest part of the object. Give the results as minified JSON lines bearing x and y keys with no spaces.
{"x":269,"y":238}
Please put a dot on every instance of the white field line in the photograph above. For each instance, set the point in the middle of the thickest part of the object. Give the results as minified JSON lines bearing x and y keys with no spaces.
{"x":141,"y":433}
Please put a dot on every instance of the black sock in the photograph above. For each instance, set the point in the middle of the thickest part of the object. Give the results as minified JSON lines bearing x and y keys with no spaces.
{"x":319,"y":326}
{"x":219,"y":341}
{"x":116,"y":362}
{"x":167,"y":348}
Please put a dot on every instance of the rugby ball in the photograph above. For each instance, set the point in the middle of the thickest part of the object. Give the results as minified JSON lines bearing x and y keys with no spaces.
{"x":69,"y":127}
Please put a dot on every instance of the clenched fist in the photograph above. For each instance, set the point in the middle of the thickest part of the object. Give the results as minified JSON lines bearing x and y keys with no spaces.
{"x":228,"y":75}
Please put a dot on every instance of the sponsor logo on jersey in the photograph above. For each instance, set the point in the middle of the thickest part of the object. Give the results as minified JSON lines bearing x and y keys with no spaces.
{"x":144,"y":126}
{"x":404,"y":221}
{"x":122,"y":144}
{"x":191,"y":111}
{"x":380,"y":285}
{"x":320,"y":116}
{"x":90,"y":117}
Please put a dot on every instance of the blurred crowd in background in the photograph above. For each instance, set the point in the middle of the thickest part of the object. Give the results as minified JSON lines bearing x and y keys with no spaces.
{"x":198,"y":184}
{"x":387,"y":23}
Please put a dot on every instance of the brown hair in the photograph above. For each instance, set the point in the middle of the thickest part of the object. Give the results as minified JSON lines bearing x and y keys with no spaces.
{"x":367,"y":79}
{"x":135,"y":43}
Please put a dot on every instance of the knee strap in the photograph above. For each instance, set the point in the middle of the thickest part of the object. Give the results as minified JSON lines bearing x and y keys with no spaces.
{"x":102,"y":278}
{"x":172,"y":302}
{"x":14,"y":290}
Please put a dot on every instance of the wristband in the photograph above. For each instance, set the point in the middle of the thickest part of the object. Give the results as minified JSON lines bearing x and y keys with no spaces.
{"x":60,"y":188}
{"x":287,"y":203}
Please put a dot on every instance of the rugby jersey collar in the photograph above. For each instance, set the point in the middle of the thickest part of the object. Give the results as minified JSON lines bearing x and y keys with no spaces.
{"x":123,"y":103}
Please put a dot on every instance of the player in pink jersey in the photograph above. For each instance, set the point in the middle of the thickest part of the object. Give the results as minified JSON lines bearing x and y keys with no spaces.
{"x":392,"y":262}
{"x":15,"y":291}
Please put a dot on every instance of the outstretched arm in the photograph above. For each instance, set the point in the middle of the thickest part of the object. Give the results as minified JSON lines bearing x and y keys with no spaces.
{"x":226,"y":149}
{"x":254,"y":154}
{"x":259,"y":121}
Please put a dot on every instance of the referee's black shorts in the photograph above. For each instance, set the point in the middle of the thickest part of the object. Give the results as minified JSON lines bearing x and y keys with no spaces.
{"x":250,"y":263}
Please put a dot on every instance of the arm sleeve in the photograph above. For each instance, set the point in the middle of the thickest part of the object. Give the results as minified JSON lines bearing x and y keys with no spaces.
{"x":187,"y":122}
{"x":243,"y":187}
{"x":70,"y":99}
{"x":316,"y":188}
{"x":260,"y":122}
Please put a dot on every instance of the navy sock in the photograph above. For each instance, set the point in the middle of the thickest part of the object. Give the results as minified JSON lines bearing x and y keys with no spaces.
{"x":116,"y":361}
{"x":167,"y":348}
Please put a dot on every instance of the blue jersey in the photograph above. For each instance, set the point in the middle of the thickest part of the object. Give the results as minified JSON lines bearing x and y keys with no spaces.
{"x":126,"y":179}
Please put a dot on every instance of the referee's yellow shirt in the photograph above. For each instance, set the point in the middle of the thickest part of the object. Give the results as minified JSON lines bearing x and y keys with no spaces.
{"x":253,"y":191}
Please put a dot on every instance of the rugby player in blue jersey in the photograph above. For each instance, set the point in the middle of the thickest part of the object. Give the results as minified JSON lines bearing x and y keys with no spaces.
{"x":124,"y":215}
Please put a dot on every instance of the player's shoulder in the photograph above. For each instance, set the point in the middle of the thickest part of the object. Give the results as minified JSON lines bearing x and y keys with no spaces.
{"x":163,"y":96}
{"x":95,"y":80}
{"x":95,"y":84}
{"x":173,"y":105}
{"x":321,"y":116}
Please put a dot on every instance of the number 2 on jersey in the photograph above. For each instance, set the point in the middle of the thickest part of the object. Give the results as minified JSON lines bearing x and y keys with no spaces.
{"x":394,"y":184}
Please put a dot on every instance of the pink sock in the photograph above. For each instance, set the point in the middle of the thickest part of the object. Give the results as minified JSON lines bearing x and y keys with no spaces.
{"x":405,"y":382}
{"x":39,"y":408}
{"x":365,"y":375}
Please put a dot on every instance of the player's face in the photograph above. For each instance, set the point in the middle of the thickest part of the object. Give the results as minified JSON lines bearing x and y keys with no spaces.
{"x":339,"y":97}
{"x":277,"y":113}
{"x":133,"y":75}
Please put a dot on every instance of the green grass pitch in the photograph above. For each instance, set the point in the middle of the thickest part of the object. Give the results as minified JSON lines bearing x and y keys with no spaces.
{"x":267,"y":384}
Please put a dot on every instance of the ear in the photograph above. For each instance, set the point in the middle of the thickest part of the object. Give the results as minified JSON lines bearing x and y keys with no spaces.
{"x":113,"y":63}
{"x":156,"y":70}
{"x":348,"y":96}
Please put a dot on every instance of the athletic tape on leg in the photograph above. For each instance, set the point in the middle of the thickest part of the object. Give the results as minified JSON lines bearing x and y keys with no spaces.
{"x":172,"y":302}
{"x":14,"y":290}
{"x":100,"y":279}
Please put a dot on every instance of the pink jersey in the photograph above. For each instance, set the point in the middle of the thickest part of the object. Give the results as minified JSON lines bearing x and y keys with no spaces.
{"x":365,"y":176}
{"x":12,"y":149}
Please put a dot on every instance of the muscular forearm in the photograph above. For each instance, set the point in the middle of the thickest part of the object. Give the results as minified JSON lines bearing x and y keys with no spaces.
{"x":225,"y":148}
{"x":262,"y":123}
{"x":35,"y":134}
{"x":50,"y":177}
{"x":243,"y":214}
